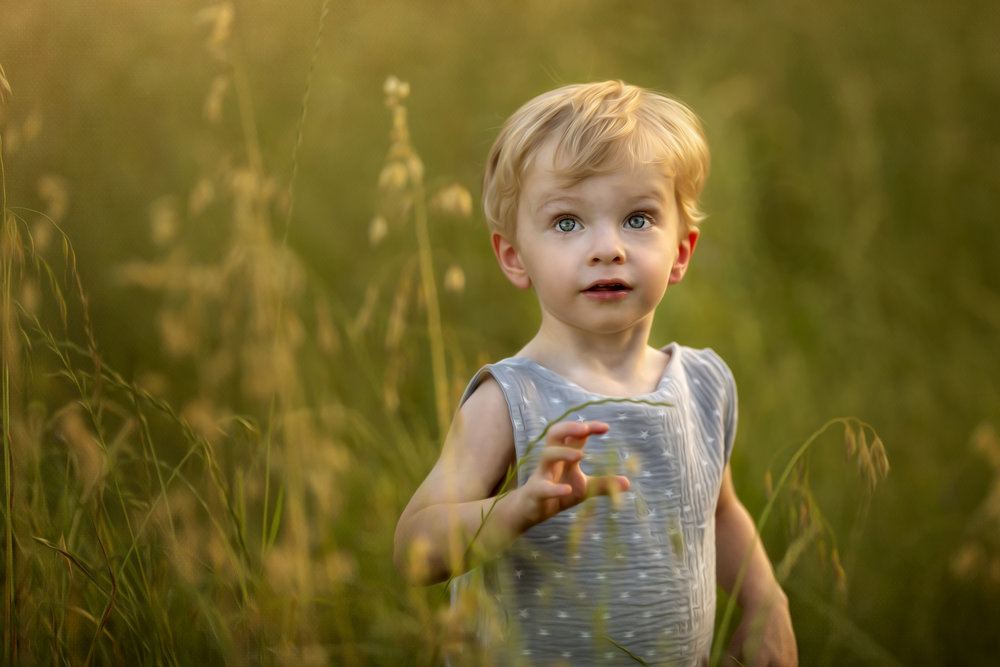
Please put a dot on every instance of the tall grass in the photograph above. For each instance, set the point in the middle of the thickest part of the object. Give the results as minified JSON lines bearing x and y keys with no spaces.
{"x":124,"y":550}
{"x":210,"y":468}
{"x":199,"y":513}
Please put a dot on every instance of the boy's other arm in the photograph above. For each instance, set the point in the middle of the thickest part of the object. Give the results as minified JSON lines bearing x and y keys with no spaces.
{"x":765,"y":635}
{"x":448,"y":512}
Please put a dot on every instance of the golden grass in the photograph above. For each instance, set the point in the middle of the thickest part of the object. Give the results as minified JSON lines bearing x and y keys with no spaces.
{"x":230,"y":514}
{"x":113,"y":536}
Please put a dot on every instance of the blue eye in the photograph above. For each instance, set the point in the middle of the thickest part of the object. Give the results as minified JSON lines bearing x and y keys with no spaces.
{"x":638,"y":221}
{"x":566,"y":224}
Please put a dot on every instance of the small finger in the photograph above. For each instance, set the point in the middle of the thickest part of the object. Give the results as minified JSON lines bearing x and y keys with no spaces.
{"x":559,"y":453}
{"x":554,"y":490}
{"x":575,"y":433}
{"x":543,"y":489}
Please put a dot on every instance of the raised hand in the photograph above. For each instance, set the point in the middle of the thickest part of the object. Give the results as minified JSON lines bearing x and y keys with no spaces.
{"x":558,"y":483}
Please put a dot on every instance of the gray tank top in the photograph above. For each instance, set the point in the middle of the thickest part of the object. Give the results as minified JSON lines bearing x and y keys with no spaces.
{"x":611,"y":579}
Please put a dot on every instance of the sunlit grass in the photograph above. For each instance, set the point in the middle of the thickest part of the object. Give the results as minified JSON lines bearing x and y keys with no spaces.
{"x":122,"y":549}
{"x":126,"y":535}
{"x":223,"y":490}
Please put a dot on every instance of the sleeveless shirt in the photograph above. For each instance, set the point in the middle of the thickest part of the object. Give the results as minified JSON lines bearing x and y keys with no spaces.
{"x":632,"y":575}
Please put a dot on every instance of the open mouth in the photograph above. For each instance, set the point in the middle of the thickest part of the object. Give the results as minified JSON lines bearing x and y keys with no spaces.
{"x":608,"y":287}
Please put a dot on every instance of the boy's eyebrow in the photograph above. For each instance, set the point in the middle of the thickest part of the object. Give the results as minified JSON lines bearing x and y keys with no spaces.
{"x":567,"y":200}
{"x":559,"y":201}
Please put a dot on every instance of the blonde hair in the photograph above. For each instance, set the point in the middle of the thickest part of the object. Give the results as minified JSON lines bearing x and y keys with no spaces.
{"x":598,"y":127}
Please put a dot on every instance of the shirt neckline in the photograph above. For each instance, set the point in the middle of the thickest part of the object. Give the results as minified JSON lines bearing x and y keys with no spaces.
{"x":673,"y":350}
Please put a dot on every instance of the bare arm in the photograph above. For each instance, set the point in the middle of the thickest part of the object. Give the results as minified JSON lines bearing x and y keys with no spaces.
{"x":435,"y":528}
{"x":456,"y":503}
{"x":765,"y":635}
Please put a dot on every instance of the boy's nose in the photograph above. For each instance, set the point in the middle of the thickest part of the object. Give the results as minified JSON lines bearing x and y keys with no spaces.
{"x":608,"y":247}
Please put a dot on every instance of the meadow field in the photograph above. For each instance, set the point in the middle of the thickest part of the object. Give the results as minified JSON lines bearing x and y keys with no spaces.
{"x":246,"y":278}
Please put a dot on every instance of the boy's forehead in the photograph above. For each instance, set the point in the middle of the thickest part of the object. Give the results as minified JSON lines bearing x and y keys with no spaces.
{"x":565,"y":168}
{"x":546,"y":184}
{"x":571,"y":164}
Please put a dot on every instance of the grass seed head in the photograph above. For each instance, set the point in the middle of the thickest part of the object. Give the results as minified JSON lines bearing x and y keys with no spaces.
{"x":395,"y":90}
{"x":879,"y":458}
{"x":986,"y":442}
{"x":453,"y":201}
{"x":30,"y":297}
{"x":219,"y":17}
{"x":54,"y":191}
{"x":840,"y":577}
{"x":396,"y":325}
{"x":201,"y":196}
{"x":86,"y":450}
{"x":178,"y":335}
{"x":326,"y":331}
{"x":676,"y":536}
{"x":454,"y":279}
{"x":805,"y":515}
{"x":5,"y":91}
{"x":850,"y":441}
{"x":216,"y":97}
{"x":641,"y":508}
{"x":633,"y":465}
{"x":378,"y":229}
{"x":393,"y":177}
{"x":163,"y":220}
{"x":41,"y":234}
{"x":415,"y":168}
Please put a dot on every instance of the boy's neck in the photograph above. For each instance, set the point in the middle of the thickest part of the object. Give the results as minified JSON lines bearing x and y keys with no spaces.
{"x":612,"y":365}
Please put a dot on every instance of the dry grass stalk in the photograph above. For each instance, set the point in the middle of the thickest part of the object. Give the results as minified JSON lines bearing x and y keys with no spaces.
{"x":402,"y":197}
{"x":252,"y":341}
{"x":807,"y":518}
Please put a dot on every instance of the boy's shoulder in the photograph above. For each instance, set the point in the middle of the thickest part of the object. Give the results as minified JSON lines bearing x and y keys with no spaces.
{"x":698,"y":360}
{"x":502,"y":376}
{"x":712,"y":390}
{"x":702,"y":368}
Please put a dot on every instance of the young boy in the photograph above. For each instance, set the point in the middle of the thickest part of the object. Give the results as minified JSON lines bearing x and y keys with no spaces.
{"x":621,"y":515}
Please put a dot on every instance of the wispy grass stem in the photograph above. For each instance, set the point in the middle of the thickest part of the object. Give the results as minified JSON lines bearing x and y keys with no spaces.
{"x":324,"y":11}
{"x":434,"y":332}
{"x":7,"y":245}
{"x":722,"y":630}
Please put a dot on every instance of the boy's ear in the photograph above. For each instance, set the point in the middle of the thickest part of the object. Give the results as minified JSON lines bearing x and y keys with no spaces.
{"x":510,"y":261}
{"x":684,"y":251}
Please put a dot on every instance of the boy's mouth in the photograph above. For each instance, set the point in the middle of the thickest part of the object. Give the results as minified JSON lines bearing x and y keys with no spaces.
{"x":608,"y":286}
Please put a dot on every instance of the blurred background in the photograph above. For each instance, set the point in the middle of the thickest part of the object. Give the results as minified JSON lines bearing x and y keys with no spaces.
{"x":246,"y":280}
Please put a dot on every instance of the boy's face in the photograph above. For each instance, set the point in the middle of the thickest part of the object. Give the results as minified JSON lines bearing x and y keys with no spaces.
{"x":601,"y":252}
